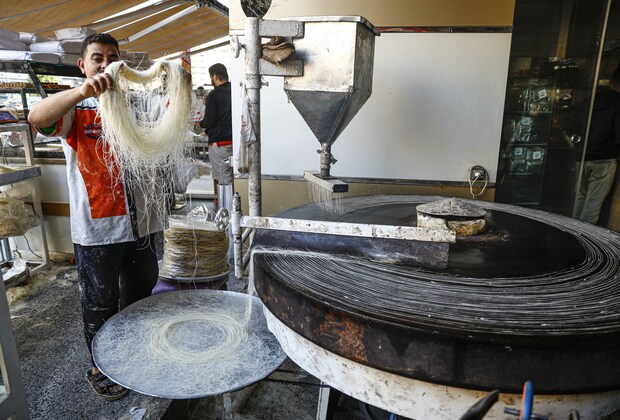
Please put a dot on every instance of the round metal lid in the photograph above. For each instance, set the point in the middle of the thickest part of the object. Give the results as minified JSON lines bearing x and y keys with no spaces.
{"x":121,"y":348}
{"x":452,"y":207}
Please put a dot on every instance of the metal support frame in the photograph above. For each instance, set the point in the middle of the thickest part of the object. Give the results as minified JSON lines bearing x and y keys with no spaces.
{"x":158,"y":25}
{"x":130,"y":17}
{"x":37,"y":84}
{"x":350,"y":229}
{"x":13,"y":403}
{"x":255,"y":28}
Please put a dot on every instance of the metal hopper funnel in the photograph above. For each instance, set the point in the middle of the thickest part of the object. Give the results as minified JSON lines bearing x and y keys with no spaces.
{"x":338,"y":56}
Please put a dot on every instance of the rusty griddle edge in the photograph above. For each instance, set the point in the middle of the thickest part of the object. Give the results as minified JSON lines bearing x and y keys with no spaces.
{"x":555,"y":365}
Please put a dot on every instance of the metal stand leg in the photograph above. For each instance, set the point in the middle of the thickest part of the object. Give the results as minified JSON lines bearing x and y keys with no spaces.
{"x":323,"y":404}
{"x":227,"y":403}
{"x":234,"y":403}
{"x":12,"y":403}
{"x":328,"y":402}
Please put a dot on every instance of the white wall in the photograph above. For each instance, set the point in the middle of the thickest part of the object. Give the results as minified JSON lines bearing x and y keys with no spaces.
{"x":52,"y":187}
{"x":435,"y":110}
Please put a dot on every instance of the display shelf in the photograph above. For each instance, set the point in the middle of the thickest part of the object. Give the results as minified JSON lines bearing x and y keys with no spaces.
{"x":524,"y":174}
{"x":525,"y":144}
{"x":28,"y":90}
{"x":23,"y":66}
{"x":28,"y":174}
{"x":529,"y":113}
{"x":19,"y":175}
{"x":33,"y":69}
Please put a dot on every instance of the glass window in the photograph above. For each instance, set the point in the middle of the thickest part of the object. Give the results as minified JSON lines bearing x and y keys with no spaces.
{"x":553,"y":61}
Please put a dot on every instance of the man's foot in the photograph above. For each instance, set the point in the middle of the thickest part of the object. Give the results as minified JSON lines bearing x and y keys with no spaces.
{"x":103,"y":386}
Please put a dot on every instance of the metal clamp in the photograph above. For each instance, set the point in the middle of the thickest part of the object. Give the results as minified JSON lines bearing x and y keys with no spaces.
{"x":222,"y":219}
{"x":235,"y":45}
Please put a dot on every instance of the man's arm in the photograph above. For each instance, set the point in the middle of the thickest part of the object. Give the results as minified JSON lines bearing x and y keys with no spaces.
{"x":50,"y":110}
{"x":210,"y":118}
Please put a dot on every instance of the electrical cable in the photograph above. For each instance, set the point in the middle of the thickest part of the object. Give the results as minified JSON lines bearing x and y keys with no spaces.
{"x":30,"y":249}
{"x":471,"y":187}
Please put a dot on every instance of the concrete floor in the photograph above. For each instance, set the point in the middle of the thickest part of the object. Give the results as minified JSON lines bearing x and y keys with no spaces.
{"x":53,"y":356}
{"x":47,"y":325}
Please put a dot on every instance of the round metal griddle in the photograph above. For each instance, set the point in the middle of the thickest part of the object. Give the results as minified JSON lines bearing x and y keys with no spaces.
{"x":536,"y":298}
{"x":120,"y":348}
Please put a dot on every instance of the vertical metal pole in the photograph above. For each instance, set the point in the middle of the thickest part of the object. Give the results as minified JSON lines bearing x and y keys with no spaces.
{"x":236,"y":230}
{"x":591,"y":107}
{"x":6,"y":250}
{"x":253,"y":54}
{"x":323,"y":403}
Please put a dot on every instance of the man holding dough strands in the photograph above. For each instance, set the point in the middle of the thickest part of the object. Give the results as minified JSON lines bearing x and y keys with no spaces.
{"x":113,"y":240}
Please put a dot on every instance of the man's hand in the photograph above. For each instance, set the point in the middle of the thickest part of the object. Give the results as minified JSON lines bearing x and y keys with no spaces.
{"x":51,"y":109}
{"x":96,"y":85}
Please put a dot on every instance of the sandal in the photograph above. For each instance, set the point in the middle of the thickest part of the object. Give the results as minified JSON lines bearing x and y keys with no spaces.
{"x":104,"y":387}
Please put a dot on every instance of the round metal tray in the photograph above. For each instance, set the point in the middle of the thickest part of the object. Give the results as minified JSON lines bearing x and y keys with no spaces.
{"x":121,"y":348}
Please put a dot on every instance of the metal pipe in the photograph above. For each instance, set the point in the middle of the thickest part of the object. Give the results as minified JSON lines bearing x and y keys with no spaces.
{"x":246,"y":258}
{"x":253,"y":54}
{"x":248,"y":255}
{"x":217,"y":44}
{"x":135,"y":15}
{"x":246,"y":235}
{"x":158,"y":25}
{"x":235,"y":222}
{"x":326,"y":161}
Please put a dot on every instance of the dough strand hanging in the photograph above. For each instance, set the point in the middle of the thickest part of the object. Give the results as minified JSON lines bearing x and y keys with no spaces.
{"x":145,"y":120}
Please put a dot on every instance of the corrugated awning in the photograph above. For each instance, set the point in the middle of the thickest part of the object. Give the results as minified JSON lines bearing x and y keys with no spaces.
{"x":166,"y":27}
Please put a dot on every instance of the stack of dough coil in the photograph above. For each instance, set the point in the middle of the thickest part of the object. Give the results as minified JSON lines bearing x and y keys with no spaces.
{"x":194,"y":249}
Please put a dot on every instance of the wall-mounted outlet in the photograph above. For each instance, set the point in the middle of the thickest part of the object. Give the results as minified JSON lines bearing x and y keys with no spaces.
{"x":477,"y":173}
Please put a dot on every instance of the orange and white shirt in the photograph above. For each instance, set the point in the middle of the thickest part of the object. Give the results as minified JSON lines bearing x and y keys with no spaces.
{"x":102,"y":210}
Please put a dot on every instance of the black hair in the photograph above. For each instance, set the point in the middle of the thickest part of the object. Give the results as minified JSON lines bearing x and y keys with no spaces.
{"x":100,"y":38}
{"x":219,"y":70}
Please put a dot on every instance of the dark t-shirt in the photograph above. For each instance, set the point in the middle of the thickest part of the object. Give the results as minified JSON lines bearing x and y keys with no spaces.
{"x":218,"y":120}
{"x":604,"y":138}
